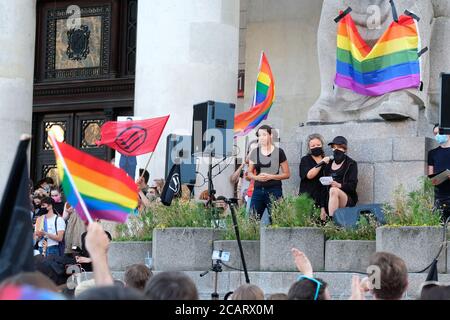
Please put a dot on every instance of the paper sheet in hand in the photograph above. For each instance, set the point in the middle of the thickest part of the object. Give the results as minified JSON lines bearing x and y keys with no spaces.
{"x":440,"y":177}
{"x":326,"y":181}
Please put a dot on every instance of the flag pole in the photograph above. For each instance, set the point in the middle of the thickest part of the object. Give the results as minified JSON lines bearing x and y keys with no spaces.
{"x":146,"y":166}
{"x":69,"y":176}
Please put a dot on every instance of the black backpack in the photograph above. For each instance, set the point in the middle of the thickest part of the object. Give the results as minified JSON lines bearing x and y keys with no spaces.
{"x":62,"y":243}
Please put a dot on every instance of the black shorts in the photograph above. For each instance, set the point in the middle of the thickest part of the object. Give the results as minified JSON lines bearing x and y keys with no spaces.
{"x":350,"y":202}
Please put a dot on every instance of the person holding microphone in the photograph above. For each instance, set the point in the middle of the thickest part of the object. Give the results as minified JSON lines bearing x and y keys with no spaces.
{"x":311,"y":170}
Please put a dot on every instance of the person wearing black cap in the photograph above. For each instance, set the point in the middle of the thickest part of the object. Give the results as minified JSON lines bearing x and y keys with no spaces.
{"x":344,"y":171}
{"x":265,"y":162}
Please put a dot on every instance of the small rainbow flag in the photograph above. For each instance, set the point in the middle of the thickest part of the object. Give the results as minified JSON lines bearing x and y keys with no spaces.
{"x":392,"y":64}
{"x":262,"y":101}
{"x":26,"y":292}
{"x":95,"y":188}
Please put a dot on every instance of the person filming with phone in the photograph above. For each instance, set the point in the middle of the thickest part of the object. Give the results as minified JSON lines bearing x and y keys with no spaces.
{"x":343,"y":170}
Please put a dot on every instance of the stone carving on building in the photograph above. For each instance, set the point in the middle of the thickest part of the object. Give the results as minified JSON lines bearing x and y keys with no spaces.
{"x":78,"y":43}
{"x":372,"y":18}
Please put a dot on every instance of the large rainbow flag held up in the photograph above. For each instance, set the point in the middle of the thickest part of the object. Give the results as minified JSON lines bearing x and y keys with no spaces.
{"x":105,"y":191}
{"x":262,"y":102}
{"x":392,"y":64}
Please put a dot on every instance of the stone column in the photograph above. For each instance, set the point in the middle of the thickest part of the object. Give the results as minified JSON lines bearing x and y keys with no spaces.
{"x":187,"y":53}
{"x":17,"y":36}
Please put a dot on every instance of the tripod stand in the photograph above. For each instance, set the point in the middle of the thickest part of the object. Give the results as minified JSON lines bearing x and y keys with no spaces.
{"x":231,"y":202}
{"x":217,"y":267}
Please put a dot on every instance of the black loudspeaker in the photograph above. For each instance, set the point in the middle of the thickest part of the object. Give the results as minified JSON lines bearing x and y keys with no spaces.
{"x":444,"y":108}
{"x":213,"y":129}
{"x":178,"y":150}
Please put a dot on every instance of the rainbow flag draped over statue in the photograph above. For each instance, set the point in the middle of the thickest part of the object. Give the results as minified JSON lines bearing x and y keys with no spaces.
{"x":262,"y":101}
{"x":94,"y":185}
{"x":392,"y":64}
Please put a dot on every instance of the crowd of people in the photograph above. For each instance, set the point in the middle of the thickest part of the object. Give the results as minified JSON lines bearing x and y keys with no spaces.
{"x":62,"y":239}
{"x":259,"y":178}
{"x":331,"y":181}
{"x":140,"y":283}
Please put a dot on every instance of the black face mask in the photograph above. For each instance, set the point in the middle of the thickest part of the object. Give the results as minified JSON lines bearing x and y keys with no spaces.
{"x":43,"y":211}
{"x":339,"y":156}
{"x":317,"y":152}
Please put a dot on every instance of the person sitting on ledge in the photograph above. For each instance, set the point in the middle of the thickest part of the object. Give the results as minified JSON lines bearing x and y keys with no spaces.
{"x":341,"y":192}
{"x":310,"y":172}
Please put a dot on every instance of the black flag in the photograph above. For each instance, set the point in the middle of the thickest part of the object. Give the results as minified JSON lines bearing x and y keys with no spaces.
{"x":172,"y":187}
{"x":16,"y":230}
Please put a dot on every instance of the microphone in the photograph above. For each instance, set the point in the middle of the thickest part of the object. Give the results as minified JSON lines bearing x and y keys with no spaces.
{"x":321,"y":163}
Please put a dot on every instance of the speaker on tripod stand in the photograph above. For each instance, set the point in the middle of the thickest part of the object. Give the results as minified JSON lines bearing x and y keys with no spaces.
{"x":213,"y":129}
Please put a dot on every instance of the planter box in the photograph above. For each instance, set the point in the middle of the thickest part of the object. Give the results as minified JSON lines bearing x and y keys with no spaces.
{"x":276,"y":245}
{"x":417,"y":246}
{"x":448,"y":257}
{"x":183,"y":249}
{"x":348,"y":255}
{"x":251,"y":253}
{"x":123,"y":254}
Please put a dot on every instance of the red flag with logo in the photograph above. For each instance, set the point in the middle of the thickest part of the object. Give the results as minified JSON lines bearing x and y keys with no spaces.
{"x":133,"y":137}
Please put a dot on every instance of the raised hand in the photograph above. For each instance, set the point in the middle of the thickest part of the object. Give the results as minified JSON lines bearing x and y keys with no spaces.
{"x":302,"y":262}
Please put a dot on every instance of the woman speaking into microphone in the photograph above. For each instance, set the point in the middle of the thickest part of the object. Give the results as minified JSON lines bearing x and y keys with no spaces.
{"x":311,"y":170}
{"x":264,"y":167}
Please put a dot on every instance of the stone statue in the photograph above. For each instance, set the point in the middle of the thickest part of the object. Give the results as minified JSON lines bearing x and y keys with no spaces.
{"x":337,"y":104}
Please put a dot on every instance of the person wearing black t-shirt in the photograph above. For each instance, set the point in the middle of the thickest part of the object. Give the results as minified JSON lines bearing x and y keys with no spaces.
{"x":438,"y":161}
{"x":264,"y":167}
{"x":309,"y":173}
{"x":344,"y":171}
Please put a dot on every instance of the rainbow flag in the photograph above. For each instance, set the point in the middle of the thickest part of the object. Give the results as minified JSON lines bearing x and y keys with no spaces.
{"x":262,"y":101}
{"x":89,"y":183}
{"x":26,"y":292}
{"x":392,"y":64}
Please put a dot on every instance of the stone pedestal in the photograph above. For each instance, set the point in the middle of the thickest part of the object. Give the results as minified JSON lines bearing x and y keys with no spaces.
{"x":417,"y":246}
{"x":183,"y":249}
{"x":388,"y":154}
{"x":348,"y":255}
{"x":276,"y":245}
{"x":124,"y":254}
{"x":187,"y":53}
{"x":251,"y":253}
{"x":17,"y":35}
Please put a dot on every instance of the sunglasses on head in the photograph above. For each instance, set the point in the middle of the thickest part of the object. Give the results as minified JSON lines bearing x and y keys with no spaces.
{"x":318,"y":284}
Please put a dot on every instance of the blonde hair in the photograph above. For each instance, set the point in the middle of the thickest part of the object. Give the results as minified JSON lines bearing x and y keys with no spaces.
{"x":248,"y":292}
{"x":312,"y":137}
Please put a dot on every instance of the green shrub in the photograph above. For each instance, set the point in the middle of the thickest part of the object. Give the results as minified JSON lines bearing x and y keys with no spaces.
{"x":295,"y":211}
{"x":182,"y":214}
{"x":414,"y":208}
{"x":179,"y":214}
{"x":365,"y":230}
{"x":249,"y":227}
{"x":137,"y":228}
